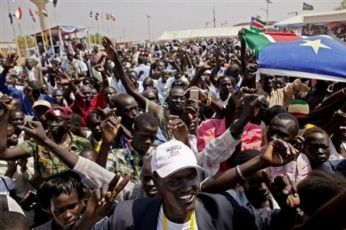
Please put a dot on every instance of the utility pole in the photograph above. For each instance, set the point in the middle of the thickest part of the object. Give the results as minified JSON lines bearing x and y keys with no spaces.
{"x":267,"y":12}
{"x":206,"y":24}
{"x":214,"y":20}
{"x":149,"y":17}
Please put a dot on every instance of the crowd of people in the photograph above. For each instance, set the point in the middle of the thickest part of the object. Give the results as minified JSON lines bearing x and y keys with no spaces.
{"x":171,"y":135}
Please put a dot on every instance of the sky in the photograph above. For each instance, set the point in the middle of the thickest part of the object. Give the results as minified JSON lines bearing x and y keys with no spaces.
{"x":131,"y":21}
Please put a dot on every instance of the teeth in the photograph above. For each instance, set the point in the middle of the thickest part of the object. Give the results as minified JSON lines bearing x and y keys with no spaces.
{"x":186,"y":197}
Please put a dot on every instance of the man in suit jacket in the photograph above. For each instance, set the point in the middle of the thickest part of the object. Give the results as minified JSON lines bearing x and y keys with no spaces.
{"x":177,"y":177}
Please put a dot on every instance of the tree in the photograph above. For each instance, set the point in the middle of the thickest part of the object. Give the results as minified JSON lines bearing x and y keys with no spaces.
{"x":342,"y":5}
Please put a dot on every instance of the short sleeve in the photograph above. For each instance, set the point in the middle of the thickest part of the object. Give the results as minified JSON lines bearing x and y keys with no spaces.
{"x":29,"y":148}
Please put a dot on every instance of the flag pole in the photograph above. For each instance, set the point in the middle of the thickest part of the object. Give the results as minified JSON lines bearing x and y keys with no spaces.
{"x":33,"y":29}
{"x":13,"y":29}
{"x":25,"y":40}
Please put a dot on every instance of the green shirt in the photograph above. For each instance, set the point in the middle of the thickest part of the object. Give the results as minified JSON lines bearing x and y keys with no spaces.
{"x":47,"y":164}
{"x":127,"y":160}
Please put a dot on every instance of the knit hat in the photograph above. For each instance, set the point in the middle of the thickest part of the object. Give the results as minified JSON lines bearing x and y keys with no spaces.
{"x":298,"y":108}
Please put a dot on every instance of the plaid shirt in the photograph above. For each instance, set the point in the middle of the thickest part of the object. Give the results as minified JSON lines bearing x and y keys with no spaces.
{"x":47,"y":164}
{"x":127,"y":160}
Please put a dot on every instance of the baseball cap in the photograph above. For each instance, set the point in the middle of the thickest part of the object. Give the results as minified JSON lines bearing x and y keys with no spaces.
{"x":41,"y":103}
{"x":171,"y":157}
{"x":8,"y":204}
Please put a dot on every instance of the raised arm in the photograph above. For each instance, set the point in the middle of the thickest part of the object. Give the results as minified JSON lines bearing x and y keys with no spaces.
{"x":121,"y":73}
{"x":276,"y":153}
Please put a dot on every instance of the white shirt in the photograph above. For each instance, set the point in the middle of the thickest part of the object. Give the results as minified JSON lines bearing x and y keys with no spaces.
{"x":171,"y":225}
{"x":145,"y":69}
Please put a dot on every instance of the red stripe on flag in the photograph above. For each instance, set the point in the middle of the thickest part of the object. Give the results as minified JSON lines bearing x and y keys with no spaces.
{"x":284,"y":37}
{"x":257,"y":24}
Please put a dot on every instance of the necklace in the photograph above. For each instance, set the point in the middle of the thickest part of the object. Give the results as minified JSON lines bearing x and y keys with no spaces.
{"x":192,"y":221}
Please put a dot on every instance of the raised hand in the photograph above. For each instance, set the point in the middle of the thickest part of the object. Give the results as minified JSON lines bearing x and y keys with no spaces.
{"x":278,"y":152}
{"x":101,"y":201}
{"x":10,"y":61}
{"x":6,"y":105}
{"x":35,"y":130}
{"x":110,"y":127}
{"x":178,"y":128}
{"x":109,"y":48}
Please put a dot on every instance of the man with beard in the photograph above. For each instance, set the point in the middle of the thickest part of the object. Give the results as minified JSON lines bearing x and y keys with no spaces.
{"x":46,"y":164}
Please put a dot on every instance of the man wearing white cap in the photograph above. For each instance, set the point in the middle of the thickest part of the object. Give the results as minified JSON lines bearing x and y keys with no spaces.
{"x":182,"y":205}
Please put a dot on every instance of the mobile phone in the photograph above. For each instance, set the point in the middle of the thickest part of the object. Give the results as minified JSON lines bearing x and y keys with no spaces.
{"x":194,"y":95}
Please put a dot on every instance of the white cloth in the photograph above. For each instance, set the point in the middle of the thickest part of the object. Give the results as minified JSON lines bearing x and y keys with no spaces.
{"x":173,"y":226}
{"x":216,"y":152}
{"x":145,"y":69}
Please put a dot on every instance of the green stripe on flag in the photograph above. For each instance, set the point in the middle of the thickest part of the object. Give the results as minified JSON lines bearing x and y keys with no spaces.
{"x":255,"y":40}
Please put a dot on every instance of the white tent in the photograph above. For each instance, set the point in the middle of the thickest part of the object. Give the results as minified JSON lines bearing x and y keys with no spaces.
{"x":201,"y":33}
{"x":314,"y":18}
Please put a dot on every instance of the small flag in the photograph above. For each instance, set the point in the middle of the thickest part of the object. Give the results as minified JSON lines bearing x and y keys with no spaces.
{"x":113,"y":18}
{"x":108,"y":16}
{"x":257,"y":24}
{"x":269,"y":1}
{"x":55,"y":2}
{"x":97,"y":16}
{"x":11,"y":17}
{"x":32,"y":16}
{"x":19,"y":13}
{"x":307,"y":6}
{"x":91,"y":14}
{"x":44,"y":12}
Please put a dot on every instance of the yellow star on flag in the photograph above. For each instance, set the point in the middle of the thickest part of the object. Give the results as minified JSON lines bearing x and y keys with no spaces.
{"x":315,"y":45}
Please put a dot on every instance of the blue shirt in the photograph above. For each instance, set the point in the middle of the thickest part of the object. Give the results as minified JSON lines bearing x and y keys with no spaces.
{"x":19,"y":94}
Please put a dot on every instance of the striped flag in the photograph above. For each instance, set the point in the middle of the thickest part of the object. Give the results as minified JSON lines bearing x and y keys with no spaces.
{"x":307,"y":6}
{"x":44,"y":12}
{"x":108,"y":16}
{"x":11,"y":17}
{"x":96,"y":16}
{"x":257,"y":24}
{"x":19,"y":13}
{"x":91,"y":14}
{"x":113,"y":18}
{"x":32,"y":16}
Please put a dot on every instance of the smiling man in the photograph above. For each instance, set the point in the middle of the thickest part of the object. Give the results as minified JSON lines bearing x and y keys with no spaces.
{"x":180,"y":204}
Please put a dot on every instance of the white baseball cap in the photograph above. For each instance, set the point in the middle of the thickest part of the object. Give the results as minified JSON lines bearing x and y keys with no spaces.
{"x":171,"y":157}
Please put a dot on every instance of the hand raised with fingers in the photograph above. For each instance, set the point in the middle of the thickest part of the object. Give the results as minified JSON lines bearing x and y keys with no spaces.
{"x":110,"y":127}
{"x":178,"y":128}
{"x":35,"y":130}
{"x":10,"y":61}
{"x":101,"y":201}
{"x":109,"y":48}
{"x":278,"y":152}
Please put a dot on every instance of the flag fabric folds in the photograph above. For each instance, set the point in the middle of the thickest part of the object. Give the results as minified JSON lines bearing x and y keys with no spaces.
{"x":32,"y":16}
{"x":257,"y":24}
{"x":44,"y":12}
{"x":19,"y":13}
{"x":11,"y":17}
{"x":307,"y":6}
{"x":316,"y":57}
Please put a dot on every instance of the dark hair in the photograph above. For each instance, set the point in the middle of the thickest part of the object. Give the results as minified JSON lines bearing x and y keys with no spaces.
{"x":35,"y":85}
{"x":318,"y":188}
{"x":63,"y":183}
{"x":272,"y":112}
{"x":146,"y":119}
{"x":13,"y":220}
{"x":288,"y":116}
{"x":242,"y":157}
{"x":90,"y":117}
{"x":312,"y":130}
{"x":117,"y":101}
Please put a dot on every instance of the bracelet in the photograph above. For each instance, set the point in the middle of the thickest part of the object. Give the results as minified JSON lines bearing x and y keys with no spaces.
{"x":240,"y":174}
{"x":341,"y":113}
